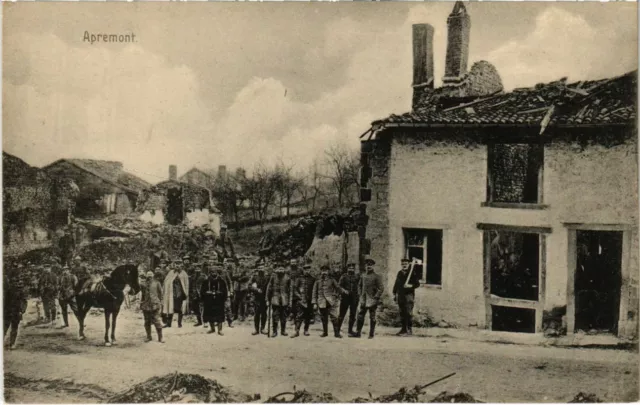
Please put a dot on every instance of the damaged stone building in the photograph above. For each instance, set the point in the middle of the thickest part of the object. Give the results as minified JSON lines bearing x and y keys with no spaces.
{"x":176,"y":202}
{"x":105,"y":188}
{"x":521,"y":205}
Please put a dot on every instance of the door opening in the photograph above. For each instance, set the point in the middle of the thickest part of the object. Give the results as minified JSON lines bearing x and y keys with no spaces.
{"x":598,"y":281}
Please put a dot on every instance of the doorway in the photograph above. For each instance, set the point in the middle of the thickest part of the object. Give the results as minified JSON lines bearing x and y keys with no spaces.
{"x":174,"y":206}
{"x":598,"y":279}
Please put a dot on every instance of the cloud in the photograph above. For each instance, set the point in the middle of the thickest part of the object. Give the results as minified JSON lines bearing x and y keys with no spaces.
{"x":562,"y":44}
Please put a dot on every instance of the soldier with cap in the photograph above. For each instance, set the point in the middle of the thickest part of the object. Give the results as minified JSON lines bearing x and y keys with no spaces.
{"x":48,"y":291}
{"x":241,"y":289}
{"x":326,"y":297}
{"x":224,"y":246}
{"x":195,"y":284}
{"x":214,"y":295}
{"x":278,"y":291}
{"x":176,"y":293}
{"x":349,"y":301}
{"x":370,"y":291}
{"x":404,"y":293}
{"x":225,"y":274}
{"x":67,"y":294}
{"x":302,"y":300}
{"x":14,"y":299}
{"x":151,"y":305}
{"x":258,"y":285}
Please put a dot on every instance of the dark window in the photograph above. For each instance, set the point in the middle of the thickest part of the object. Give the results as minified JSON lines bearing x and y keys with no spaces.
{"x":511,"y":319}
{"x":514,"y":173}
{"x":425,"y":245}
{"x":515,"y":263}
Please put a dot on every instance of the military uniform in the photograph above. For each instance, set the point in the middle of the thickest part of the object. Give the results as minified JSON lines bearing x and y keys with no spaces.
{"x":241,"y":290}
{"x":370,"y":291}
{"x":14,"y":306}
{"x":349,"y":301}
{"x":67,"y":295}
{"x":405,"y":297}
{"x":326,"y":295}
{"x":151,"y":305}
{"x":48,"y":290}
{"x":228,"y":312}
{"x":195,"y":284}
{"x":258,"y":286}
{"x":302,"y":302}
{"x":278,"y":294}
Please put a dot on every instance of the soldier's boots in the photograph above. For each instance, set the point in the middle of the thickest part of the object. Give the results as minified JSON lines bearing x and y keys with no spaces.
{"x":255,"y":332}
{"x":147,"y":328}
{"x":306,"y":332}
{"x":402,"y":332}
{"x":179,"y":320}
{"x":372,"y":329}
{"x":169,"y":321}
{"x":220,"y":328}
{"x":274,"y":334}
{"x":296,"y":334}
{"x":160,"y":339}
{"x":284,"y":332}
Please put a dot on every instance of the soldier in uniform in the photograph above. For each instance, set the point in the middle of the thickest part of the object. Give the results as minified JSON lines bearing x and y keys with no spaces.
{"x":258,"y":286}
{"x":225,"y":274}
{"x":195,"y":284}
{"x":302,"y":300}
{"x":349,"y":301}
{"x":151,"y":305}
{"x":14,"y":299}
{"x":240,"y":292}
{"x":224,"y":246}
{"x":176,"y":293}
{"x":214,"y":294}
{"x":404,"y":293}
{"x":326,"y":297}
{"x":48,"y":291}
{"x":278,"y":291}
{"x":371,"y":289}
{"x":67,"y":294}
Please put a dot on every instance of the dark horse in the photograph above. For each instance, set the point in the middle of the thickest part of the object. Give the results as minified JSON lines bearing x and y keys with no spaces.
{"x":107,"y":293}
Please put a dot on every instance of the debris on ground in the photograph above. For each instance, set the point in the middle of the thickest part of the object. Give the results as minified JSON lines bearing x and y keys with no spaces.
{"x":302,"y":397}
{"x":585,"y":398}
{"x":458,"y":397}
{"x":180,"y":387}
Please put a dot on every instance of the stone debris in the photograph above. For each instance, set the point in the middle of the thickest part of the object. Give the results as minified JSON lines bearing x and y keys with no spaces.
{"x":585,"y":398}
{"x":459,"y":397}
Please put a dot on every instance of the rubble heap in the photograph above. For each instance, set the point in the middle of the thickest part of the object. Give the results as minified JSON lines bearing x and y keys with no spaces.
{"x":294,"y":241}
{"x":585,"y":398}
{"x":303,"y":397}
{"x":179,"y":387}
{"x":459,"y":397}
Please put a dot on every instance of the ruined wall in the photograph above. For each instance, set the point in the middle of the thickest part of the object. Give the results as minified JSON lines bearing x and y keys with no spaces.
{"x":441,"y":184}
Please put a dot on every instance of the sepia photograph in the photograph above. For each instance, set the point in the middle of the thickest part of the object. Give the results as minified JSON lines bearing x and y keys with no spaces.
{"x":320,"y":202}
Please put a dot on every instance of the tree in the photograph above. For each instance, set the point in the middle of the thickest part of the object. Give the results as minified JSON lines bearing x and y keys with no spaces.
{"x":288,"y":184}
{"x":343,"y":170}
{"x":261,"y":190}
{"x":229,"y":194}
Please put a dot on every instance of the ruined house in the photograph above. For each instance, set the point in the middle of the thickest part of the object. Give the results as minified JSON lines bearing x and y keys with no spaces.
{"x":198,"y":177}
{"x":176,"y":202}
{"x":34,"y":204}
{"x":105,"y":188}
{"x":522,"y":206}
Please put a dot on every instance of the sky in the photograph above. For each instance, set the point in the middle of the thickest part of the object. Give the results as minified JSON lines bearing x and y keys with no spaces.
{"x":236,"y":84}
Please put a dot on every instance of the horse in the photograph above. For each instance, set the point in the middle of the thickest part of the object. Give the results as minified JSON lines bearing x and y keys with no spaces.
{"x":108,"y":294}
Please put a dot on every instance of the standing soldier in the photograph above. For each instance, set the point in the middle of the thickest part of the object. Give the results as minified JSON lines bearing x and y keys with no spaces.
{"x":48,"y":290}
{"x":258,"y":286}
{"x":214,"y":295}
{"x":278,"y":291}
{"x":195,"y":284}
{"x":66,"y":296}
{"x":176,"y":293}
{"x":151,"y":305}
{"x":326,"y":297}
{"x":404,"y":293}
{"x":226,"y":277}
{"x":371,"y":289}
{"x":224,"y":246}
{"x":241,"y":289}
{"x":302,"y":300}
{"x":349,"y":282}
{"x":14,"y":300}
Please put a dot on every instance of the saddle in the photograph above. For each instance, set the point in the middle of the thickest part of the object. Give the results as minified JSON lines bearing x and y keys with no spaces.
{"x":93,"y":286}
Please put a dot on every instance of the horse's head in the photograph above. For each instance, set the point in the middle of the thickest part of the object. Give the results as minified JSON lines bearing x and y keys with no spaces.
{"x":133,"y":280}
{"x":127,"y":275}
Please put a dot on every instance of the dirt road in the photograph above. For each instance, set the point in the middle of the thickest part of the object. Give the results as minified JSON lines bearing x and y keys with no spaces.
{"x":87,"y":371}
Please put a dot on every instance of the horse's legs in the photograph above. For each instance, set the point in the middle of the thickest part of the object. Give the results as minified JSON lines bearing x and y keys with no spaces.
{"x":80,"y":313}
{"x":106,"y":327}
{"x":114,"y":316}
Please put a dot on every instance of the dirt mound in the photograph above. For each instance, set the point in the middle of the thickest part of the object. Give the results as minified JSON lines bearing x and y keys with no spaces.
{"x":585,"y":398}
{"x":459,"y":397}
{"x":179,"y":388}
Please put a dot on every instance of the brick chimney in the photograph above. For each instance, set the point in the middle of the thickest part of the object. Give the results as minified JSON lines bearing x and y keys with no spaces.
{"x":459,"y":25}
{"x":422,"y":61}
{"x":173,"y":172}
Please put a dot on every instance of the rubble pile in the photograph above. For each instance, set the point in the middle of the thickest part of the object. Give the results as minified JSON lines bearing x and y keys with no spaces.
{"x":179,"y":387}
{"x":296,"y":240}
{"x":459,"y":397}
{"x":389,"y":315}
{"x":303,"y":397}
{"x":582,"y":398}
